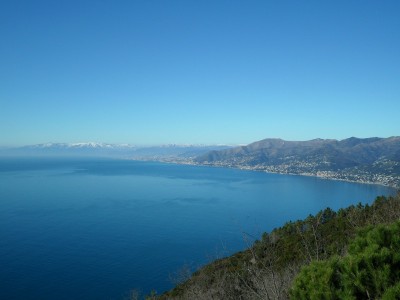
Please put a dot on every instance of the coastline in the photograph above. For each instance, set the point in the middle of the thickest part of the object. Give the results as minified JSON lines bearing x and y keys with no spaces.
{"x":326,"y":175}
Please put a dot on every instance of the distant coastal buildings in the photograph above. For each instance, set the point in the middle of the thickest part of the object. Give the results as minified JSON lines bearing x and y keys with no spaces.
{"x":359,"y":176}
{"x":370,"y":160}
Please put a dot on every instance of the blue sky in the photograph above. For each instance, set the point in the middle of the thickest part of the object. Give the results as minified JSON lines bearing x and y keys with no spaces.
{"x":154,"y":72}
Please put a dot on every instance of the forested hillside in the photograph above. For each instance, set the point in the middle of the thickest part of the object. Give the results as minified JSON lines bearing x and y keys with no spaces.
{"x":267,"y":270}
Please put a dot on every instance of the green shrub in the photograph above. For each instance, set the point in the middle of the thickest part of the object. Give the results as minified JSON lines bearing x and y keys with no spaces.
{"x":370,"y":270}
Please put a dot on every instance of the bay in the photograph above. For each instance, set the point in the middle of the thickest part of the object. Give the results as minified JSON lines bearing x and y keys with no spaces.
{"x":97,"y":228}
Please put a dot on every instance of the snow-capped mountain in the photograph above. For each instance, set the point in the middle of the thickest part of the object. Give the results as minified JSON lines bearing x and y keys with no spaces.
{"x":89,"y":145}
{"x":93,"y":149}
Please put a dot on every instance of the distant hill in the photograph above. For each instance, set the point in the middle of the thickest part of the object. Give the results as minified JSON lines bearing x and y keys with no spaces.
{"x":375,"y":160}
{"x":71,"y":149}
{"x":162,"y":152}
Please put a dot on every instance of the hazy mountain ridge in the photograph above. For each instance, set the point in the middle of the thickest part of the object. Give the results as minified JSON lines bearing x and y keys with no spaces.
{"x":127,"y":151}
{"x":372,"y":160}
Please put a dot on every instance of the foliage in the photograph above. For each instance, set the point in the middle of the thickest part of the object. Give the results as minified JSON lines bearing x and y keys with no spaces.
{"x":370,"y":270}
{"x":267,"y":269}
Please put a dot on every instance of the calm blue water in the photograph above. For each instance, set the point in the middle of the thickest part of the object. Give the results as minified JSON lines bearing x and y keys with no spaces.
{"x":95,"y":229}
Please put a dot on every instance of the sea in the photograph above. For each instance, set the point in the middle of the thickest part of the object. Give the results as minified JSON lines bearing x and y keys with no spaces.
{"x":79,"y":228}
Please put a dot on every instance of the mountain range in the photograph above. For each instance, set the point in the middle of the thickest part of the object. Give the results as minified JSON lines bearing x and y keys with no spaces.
{"x":368,"y":160}
{"x":372,"y":160}
{"x":127,"y":151}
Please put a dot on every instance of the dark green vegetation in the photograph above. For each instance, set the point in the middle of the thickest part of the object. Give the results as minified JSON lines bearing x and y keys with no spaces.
{"x":374,"y":160}
{"x":348,"y":254}
{"x":370,"y":269}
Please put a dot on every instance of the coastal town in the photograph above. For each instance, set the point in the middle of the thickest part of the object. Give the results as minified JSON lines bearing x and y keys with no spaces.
{"x":381,"y":173}
{"x":377,"y":175}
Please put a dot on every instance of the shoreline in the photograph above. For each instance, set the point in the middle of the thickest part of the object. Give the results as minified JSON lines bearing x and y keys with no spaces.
{"x":395,"y":187}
